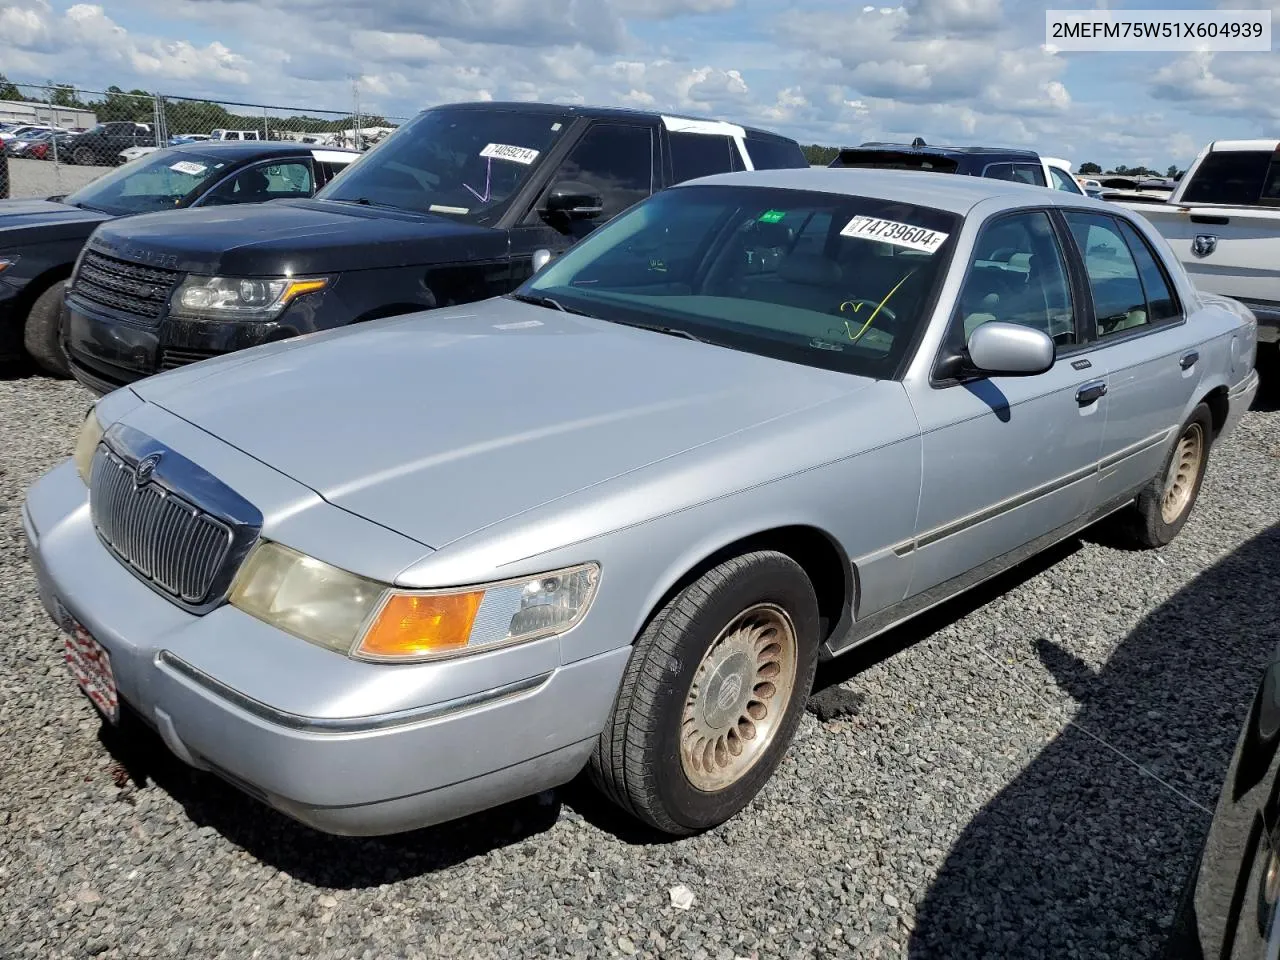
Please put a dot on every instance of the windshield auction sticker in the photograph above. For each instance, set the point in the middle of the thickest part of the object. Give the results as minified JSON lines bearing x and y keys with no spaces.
{"x":898,"y":234}
{"x":189,"y":168}
{"x":504,"y":151}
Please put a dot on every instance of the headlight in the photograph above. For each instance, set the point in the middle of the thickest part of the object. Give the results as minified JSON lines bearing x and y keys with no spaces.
{"x":374,"y":621}
{"x":229,"y":298}
{"x":86,"y":444}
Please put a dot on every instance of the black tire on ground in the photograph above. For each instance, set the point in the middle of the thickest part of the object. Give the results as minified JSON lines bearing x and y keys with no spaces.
{"x":1147,"y":525}
{"x":83,"y":156}
{"x":637,"y":762}
{"x":41,"y":334}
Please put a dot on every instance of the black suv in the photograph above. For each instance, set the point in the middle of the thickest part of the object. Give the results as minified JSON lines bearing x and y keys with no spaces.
{"x":101,"y":145}
{"x":998,"y":163}
{"x":40,"y":239}
{"x":449,"y":209}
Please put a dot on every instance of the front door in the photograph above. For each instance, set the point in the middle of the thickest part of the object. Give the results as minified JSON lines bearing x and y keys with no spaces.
{"x":1008,"y":459}
{"x":615,"y":160}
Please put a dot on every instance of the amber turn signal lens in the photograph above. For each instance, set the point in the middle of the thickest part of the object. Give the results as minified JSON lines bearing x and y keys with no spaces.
{"x":416,"y":626}
{"x":296,"y":288}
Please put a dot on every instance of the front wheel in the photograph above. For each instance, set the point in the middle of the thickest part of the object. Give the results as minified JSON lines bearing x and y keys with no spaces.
{"x":1163,"y":507}
{"x":712,"y":695}
{"x":41,"y":335}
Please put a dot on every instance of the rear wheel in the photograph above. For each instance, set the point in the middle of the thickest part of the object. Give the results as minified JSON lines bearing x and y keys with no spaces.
{"x":1163,"y":507}
{"x":83,"y":156}
{"x":712,"y":695}
{"x":42,"y":333}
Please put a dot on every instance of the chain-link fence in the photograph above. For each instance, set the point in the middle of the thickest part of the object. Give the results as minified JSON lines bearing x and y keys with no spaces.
{"x":59,"y":137}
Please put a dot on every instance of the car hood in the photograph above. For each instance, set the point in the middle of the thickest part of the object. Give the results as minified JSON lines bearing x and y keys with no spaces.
{"x":438,"y":424}
{"x":19,"y":215}
{"x":295,"y":237}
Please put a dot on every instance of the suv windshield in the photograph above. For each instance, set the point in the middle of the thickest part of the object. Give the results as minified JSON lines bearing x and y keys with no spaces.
{"x":466,"y":163}
{"x":158,"y":181}
{"x":833,"y":281}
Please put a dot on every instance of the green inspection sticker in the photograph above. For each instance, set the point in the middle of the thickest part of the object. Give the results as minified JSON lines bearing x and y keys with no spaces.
{"x":771,"y":216}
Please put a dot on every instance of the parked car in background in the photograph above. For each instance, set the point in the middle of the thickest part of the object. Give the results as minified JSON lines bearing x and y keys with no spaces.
{"x":1223,"y":221}
{"x":451,"y":208}
{"x":221,"y":134}
{"x":1231,"y":904}
{"x":332,"y":601}
{"x":32,"y":146}
{"x":1090,"y":186}
{"x":41,"y":239}
{"x":999,"y":163}
{"x":24,"y":131}
{"x":182,"y":138}
{"x":101,"y":144}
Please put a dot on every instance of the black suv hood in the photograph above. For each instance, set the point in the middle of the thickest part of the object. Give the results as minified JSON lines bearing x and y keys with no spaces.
{"x":37,"y":220}
{"x":295,"y":237}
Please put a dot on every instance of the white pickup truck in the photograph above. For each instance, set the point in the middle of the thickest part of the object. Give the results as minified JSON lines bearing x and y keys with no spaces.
{"x":1223,"y":222}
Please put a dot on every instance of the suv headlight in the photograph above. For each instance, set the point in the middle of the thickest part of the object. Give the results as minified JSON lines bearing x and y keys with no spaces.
{"x":232,"y":298}
{"x":87,"y":444}
{"x":369,"y":620}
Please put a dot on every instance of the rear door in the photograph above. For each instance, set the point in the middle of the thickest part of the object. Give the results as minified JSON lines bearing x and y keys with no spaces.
{"x":691,"y":153}
{"x":1143,"y":343}
{"x":1229,"y":250}
{"x":614,"y":160}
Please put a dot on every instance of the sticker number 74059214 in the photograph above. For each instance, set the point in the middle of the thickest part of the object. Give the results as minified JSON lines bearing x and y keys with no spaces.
{"x":898,"y":234}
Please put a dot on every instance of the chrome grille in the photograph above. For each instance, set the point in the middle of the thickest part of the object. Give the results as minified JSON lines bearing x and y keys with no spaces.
{"x":167,"y":541}
{"x":131,"y":288}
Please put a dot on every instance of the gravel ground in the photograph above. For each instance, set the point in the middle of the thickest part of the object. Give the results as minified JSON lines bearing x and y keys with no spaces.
{"x":973,"y":790}
{"x":40,"y":178}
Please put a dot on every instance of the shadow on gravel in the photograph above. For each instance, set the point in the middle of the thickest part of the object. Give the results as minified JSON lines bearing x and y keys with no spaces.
{"x":1083,"y":855}
{"x":305,"y":854}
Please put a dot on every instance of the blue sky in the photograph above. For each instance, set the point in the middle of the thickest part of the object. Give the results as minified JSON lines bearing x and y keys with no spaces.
{"x":959,"y":71}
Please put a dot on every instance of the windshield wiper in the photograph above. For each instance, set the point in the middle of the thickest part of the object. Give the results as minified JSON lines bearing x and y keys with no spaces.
{"x":548,"y":302}
{"x":661,"y":328}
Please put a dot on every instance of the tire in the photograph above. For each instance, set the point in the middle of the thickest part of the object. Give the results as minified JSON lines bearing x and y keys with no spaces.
{"x":41,"y":335}
{"x":83,"y":157}
{"x":1163,"y":507}
{"x":666,"y":754}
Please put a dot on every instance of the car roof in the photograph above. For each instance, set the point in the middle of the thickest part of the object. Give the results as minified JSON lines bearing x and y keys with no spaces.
{"x":944,"y":151}
{"x":950,"y":192}
{"x":595,"y":113}
{"x":245,"y":149}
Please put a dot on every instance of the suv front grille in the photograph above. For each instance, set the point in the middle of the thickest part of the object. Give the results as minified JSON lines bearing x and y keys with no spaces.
{"x":170,"y":543}
{"x":139,"y":291}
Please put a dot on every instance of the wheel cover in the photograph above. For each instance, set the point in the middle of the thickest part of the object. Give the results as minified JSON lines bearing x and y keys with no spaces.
{"x":738,"y":697}
{"x":1184,"y":468}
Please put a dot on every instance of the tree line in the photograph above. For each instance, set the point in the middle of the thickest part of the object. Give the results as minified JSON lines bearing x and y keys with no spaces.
{"x":180,"y":115}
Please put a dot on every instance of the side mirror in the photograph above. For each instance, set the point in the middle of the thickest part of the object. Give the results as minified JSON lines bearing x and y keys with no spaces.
{"x":574,"y":200}
{"x":1010,"y":350}
{"x":541,"y":257}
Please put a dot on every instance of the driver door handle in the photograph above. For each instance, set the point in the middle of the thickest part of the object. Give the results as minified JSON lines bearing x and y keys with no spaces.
{"x":1189,"y":359}
{"x":1091,"y":392}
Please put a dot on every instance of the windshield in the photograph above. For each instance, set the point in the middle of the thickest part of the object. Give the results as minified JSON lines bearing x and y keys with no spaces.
{"x":466,"y":163}
{"x":158,"y":181}
{"x":833,"y":281}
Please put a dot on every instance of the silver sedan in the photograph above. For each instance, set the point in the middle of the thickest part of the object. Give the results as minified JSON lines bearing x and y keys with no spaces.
{"x":389,"y":575}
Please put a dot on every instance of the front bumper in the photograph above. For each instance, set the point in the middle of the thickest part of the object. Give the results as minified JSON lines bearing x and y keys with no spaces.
{"x":454,"y":738}
{"x":107,"y":350}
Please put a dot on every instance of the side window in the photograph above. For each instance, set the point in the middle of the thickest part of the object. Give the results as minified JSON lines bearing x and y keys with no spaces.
{"x":615,"y":160}
{"x":1119,"y":303}
{"x":1017,"y":275}
{"x":769,"y":154}
{"x":1064,"y":181}
{"x":1017,"y":172}
{"x":1161,"y":303}
{"x":699,"y":155}
{"x":1231,"y":176}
